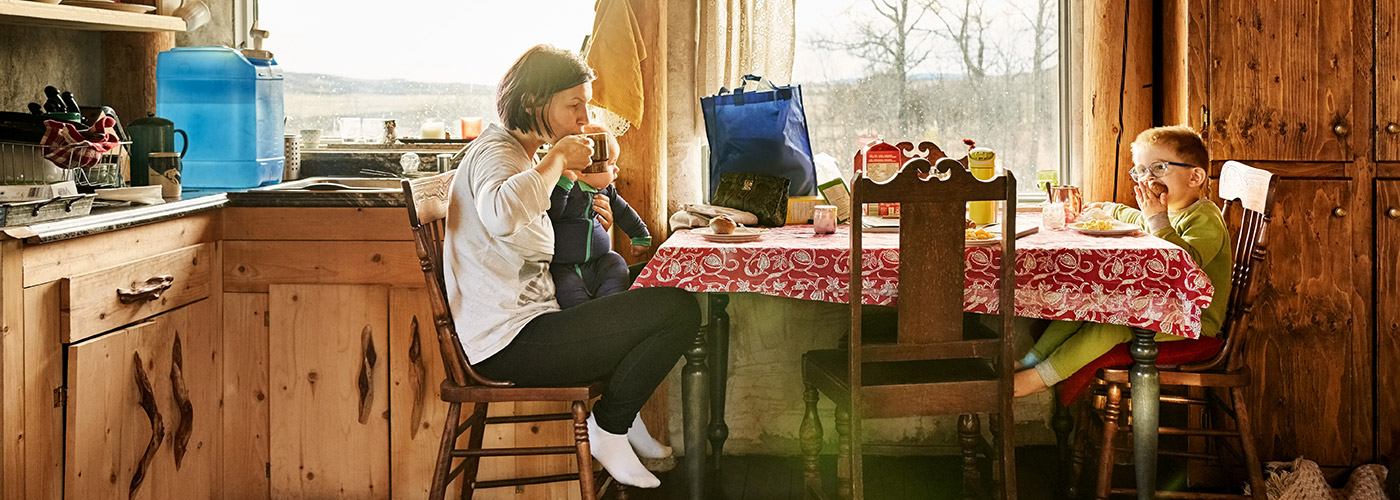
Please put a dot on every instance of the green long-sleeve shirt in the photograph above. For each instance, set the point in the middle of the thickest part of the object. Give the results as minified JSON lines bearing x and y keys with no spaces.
{"x":1200,"y":229}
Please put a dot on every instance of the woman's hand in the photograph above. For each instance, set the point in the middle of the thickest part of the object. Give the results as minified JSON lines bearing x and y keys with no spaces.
{"x":600,"y":180}
{"x":1150,"y":204}
{"x":604,"y":210}
{"x":571,"y":152}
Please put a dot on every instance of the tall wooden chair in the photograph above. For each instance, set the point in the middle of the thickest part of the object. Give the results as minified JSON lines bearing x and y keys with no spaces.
{"x":1249,"y":196}
{"x":934,"y":366}
{"x":427,"y":201}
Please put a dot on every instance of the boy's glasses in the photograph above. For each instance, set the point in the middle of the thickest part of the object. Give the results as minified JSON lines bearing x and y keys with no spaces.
{"x":1141,"y":173}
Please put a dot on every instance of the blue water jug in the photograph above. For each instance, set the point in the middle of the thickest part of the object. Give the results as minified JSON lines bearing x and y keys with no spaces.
{"x":231,"y":106}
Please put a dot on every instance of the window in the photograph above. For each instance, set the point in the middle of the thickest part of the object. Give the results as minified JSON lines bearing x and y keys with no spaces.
{"x":934,"y":70}
{"x":413,"y":61}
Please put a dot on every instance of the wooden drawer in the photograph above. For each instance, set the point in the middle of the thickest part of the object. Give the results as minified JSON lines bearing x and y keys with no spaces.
{"x":101,"y":300}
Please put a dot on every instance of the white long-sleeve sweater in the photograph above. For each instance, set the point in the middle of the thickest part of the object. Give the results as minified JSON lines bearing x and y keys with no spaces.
{"x":498,"y":244}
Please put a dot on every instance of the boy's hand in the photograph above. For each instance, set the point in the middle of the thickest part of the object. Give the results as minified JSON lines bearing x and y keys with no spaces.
{"x":600,"y":180}
{"x":604,"y":210}
{"x":1149,"y":203}
{"x":572,"y":175}
{"x":639,"y":249}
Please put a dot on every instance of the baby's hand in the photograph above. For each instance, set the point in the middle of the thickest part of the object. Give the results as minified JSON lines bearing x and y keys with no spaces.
{"x":572,"y":175}
{"x":639,"y":249}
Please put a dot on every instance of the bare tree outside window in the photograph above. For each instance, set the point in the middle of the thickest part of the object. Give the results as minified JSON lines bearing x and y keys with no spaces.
{"x":936,"y":70}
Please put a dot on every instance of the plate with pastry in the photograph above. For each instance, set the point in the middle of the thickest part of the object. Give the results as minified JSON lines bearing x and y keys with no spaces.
{"x":1104,"y":227}
{"x":978,"y":237}
{"x":739,"y":235}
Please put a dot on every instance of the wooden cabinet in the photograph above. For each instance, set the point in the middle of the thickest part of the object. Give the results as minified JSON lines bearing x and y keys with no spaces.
{"x":143,"y":417}
{"x":1303,"y":340}
{"x":1388,"y":319}
{"x":1280,"y":83}
{"x":328,"y":360}
{"x":1387,"y":131}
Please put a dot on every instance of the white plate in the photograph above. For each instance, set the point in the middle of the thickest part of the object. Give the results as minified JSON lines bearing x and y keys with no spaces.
{"x":1119,"y":228}
{"x":110,"y":5}
{"x":740,"y":235}
{"x":983,"y":243}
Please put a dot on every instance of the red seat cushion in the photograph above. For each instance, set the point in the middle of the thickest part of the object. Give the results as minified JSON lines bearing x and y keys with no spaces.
{"x":1175,"y":352}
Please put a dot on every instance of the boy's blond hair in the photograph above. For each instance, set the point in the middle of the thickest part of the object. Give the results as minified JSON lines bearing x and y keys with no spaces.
{"x":1183,"y":141}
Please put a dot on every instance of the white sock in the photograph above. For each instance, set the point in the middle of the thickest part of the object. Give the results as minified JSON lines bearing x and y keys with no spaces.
{"x":617,"y":457}
{"x":642,"y":442}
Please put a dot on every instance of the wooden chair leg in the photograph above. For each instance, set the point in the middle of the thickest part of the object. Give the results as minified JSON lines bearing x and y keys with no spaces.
{"x":843,"y":453}
{"x":969,"y":437}
{"x":443,"y":466}
{"x":811,"y":437}
{"x":1111,"y":413}
{"x":475,"y":435}
{"x":1084,"y":428}
{"x":585,"y":455}
{"x":1251,"y":456}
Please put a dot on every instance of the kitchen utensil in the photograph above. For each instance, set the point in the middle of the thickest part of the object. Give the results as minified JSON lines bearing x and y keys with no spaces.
{"x":349,"y":129}
{"x":1052,"y":215}
{"x":195,"y":13}
{"x":152,"y":134}
{"x":740,"y":235}
{"x":444,"y":162}
{"x":291,"y":148}
{"x":167,"y":7}
{"x":1119,"y":228}
{"x":70,"y":103}
{"x":36,"y":108}
{"x":165,"y":172}
{"x":824,"y":219}
{"x":310,"y":138}
{"x":599,"y":160}
{"x":54,"y":103}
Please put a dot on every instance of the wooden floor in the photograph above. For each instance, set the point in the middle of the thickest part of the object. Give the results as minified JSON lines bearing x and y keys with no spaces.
{"x":750,"y":477}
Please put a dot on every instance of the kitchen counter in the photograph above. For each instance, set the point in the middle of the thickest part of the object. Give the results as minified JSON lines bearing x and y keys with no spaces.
{"x":102,"y":220}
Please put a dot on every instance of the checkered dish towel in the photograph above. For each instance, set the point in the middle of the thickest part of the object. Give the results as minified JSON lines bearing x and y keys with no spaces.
{"x":1302,"y":479}
{"x":66,"y":147}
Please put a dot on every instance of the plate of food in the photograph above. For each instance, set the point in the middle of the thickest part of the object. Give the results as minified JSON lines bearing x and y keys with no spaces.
{"x":978,"y":237}
{"x":1104,"y":227}
{"x":724,"y":230}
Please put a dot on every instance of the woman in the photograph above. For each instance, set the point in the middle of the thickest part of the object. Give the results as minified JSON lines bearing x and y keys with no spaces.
{"x":499,"y":243}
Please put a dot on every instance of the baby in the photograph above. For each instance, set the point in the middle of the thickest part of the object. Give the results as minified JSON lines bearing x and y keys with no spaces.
{"x":1172,"y":189}
{"x":584,"y":265}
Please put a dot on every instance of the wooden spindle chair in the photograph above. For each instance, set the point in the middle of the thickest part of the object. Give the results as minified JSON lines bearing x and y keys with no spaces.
{"x":935,"y":366}
{"x":428,"y":200}
{"x":1249,"y":196}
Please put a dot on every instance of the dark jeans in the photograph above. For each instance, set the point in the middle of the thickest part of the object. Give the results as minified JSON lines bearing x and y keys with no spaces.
{"x":631,"y":340}
{"x":575,"y":284}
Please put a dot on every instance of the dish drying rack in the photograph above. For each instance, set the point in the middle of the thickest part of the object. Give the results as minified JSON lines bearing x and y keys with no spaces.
{"x":24,"y":164}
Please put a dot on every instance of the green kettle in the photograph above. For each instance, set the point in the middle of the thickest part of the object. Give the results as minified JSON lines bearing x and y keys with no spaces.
{"x":151,"y":134}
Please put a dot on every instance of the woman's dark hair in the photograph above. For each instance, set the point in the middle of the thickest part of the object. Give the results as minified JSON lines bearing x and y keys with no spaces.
{"x":532,"y":81}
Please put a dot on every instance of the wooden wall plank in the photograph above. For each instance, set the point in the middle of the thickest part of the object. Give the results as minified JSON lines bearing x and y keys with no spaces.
{"x":12,"y":308}
{"x":319,"y":447}
{"x":1388,"y":320}
{"x":245,"y":428}
{"x":250,"y":266}
{"x":642,"y":180}
{"x":316,"y":223}
{"x":1109,"y":128}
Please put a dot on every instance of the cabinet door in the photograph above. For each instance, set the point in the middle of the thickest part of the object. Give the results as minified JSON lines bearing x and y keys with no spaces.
{"x":1387,"y":81}
{"x":1388,"y":318}
{"x":329,"y":409}
{"x":143,"y":417}
{"x":1280,"y":86}
{"x":1302,"y":335}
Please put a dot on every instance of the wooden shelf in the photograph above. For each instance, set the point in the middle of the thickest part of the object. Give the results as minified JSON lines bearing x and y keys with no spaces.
{"x":29,"y":13}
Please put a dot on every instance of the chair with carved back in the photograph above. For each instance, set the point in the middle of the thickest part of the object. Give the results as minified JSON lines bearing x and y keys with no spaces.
{"x":1248,"y":194}
{"x":427,"y":200}
{"x":934,"y":366}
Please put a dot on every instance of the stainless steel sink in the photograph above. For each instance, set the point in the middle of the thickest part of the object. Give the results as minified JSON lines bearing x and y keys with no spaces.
{"x":336,"y":185}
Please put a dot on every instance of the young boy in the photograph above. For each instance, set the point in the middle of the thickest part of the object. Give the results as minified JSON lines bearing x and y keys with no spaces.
{"x":584,"y":265}
{"x":1169,"y":167}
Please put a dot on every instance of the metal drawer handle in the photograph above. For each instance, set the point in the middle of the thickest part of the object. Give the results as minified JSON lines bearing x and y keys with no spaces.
{"x":1339,"y":212}
{"x":146,"y":291}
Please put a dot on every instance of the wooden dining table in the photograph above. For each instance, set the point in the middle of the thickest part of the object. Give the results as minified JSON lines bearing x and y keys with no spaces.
{"x":1135,"y":280}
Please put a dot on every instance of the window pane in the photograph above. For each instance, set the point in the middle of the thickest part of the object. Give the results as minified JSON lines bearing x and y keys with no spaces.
{"x":919,"y":70}
{"x":411,"y":61}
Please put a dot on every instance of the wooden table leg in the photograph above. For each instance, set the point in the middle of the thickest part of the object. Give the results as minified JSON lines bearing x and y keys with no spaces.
{"x":719,"y":377}
{"x":694,"y":380}
{"x":1146,"y":392}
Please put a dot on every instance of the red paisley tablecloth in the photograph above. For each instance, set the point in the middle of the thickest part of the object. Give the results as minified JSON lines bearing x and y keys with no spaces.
{"x":1140,"y":281}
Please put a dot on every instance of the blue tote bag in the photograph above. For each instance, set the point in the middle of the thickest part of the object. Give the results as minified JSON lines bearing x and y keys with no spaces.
{"x":760,"y":131}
